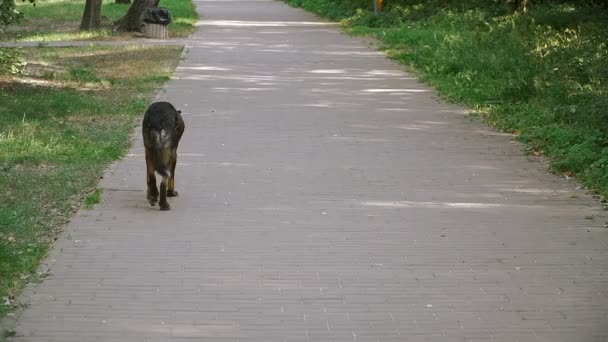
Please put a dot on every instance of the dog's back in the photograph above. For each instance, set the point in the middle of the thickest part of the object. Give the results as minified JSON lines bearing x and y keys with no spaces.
{"x":159,"y":116}
{"x":160,"y":134}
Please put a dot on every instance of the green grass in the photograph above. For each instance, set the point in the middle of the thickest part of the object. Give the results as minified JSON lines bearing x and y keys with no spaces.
{"x":542,"y":75}
{"x":67,"y":118}
{"x":58,"y":20}
{"x":4,"y":334}
{"x":92,"y":199}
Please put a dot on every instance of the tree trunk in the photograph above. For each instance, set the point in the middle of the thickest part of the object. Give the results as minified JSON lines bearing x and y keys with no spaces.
{"x":122,"y":2}
{"x":132,"y":21}
{"x":91,"y":18}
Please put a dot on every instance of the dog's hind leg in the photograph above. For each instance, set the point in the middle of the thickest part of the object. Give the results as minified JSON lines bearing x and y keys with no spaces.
{"x":164,"y":205}
{"x":171,"y":192}
{"x":151,"y":179}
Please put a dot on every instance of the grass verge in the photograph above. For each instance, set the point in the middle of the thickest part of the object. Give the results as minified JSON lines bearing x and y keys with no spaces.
{"x":542,"y":75}
{"x":59,"y":20}
{"x":92,"y":199}
{"x":63,"y":121}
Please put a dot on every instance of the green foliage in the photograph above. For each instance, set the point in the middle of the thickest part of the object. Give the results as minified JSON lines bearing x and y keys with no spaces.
{"x":543,"y":74}
{"x":8,"y":13}
{"x":333,"y":9}
{"x":9,"y":58}
{"x":10,"y":61}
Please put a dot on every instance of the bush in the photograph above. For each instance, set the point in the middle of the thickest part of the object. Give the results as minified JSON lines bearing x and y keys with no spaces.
{"x":10,"y":61}
{"x":8,"y":13}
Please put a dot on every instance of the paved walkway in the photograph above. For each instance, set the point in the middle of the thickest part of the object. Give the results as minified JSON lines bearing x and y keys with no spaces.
{"x":326,"y":195}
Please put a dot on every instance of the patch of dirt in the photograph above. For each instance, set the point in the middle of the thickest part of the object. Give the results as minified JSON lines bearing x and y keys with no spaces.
{"x":15,"y":82}
{"x":34,"y":25}
{"x":42,"y":70}
{"x":40,"y":168}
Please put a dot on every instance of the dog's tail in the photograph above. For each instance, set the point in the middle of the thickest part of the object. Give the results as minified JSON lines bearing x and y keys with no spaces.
{"x":162,"y":151}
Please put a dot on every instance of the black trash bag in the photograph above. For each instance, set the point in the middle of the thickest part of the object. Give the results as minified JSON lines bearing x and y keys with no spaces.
{"x":158,"y":15}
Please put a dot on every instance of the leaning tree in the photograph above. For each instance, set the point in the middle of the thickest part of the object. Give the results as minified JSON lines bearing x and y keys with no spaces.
{"x":133,"y":20}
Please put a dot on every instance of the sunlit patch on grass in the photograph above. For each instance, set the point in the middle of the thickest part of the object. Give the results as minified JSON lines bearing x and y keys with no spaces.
{"x":66,"y":36}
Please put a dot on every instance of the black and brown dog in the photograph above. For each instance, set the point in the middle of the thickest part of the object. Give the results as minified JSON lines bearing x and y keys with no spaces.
{"x":162,"y":129}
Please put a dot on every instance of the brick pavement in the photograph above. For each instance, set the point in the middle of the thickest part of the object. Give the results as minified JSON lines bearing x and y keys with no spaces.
{"x":326,"y":195}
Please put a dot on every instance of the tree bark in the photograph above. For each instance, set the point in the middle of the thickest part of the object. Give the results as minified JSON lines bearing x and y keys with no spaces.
{"x":91,"y":18}
{"x":132,"y":21}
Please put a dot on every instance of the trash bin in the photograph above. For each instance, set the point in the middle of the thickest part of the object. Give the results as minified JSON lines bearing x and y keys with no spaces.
{"x":155,"y":23}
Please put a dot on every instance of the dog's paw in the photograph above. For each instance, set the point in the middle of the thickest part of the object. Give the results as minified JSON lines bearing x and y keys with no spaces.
{"x":172,"y":193}
{"x":152,"y":199}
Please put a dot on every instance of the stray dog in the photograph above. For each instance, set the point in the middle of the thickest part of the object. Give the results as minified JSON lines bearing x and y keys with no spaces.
{"x":162,"y":129}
